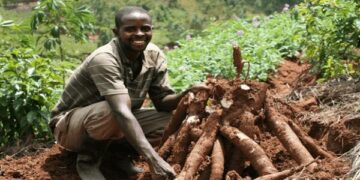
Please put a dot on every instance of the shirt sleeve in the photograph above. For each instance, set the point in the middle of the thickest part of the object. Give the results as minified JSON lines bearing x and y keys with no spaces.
{"x":104,"y":71}
{"x":160,"y":85}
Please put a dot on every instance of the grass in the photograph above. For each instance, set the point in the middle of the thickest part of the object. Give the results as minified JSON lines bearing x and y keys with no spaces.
{"x":78,"y":49}
{"x":20,"y":17}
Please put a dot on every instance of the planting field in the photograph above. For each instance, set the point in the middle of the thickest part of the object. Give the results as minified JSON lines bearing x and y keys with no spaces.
{"x":286,"y":106}
{"x":287,"y":127}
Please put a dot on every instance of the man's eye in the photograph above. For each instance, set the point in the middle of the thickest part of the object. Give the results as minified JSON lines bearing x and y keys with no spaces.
{"x":130,"y":29}
{"x":146,"y":28}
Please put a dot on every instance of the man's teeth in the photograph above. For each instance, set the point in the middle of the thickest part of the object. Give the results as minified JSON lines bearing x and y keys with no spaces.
{"x":139,"y":42}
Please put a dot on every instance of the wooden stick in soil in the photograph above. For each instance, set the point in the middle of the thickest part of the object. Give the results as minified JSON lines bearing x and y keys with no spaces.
{"x":202,"y":147}
{"x":237,"y":60}
{"x":217,"y":160}
{"x":256,"y":155}
{"x":309,"y":143}
{"x":176,"y":119}
{"x":287,"y":137}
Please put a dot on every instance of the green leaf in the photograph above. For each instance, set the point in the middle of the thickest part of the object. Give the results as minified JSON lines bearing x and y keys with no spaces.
{"x":7,"y":23}
{"x":55,"y":32}
{"x":31,"y":116}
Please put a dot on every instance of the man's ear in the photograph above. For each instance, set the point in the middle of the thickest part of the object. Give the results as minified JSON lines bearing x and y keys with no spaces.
{"x":115,"y":31}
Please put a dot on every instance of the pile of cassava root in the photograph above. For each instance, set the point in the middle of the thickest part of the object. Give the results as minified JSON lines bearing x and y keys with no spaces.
{"x":215,"y":134}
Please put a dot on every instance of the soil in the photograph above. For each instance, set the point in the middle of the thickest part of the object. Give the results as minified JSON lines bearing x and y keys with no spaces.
{"x":328,"y":112}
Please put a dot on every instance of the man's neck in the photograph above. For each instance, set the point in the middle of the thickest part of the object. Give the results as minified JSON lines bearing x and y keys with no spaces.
{"x":130,"y":54}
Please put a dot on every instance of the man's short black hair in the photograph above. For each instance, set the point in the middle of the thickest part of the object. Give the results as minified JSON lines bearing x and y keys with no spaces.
{"x":127,"y":10}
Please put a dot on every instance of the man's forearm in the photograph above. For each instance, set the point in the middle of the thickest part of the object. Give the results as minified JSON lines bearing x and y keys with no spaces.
{"x":169,"y":102}
{"x":134,"y":134}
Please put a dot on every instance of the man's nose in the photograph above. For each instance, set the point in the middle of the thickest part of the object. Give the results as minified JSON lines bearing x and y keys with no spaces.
{"x":139,"y":32}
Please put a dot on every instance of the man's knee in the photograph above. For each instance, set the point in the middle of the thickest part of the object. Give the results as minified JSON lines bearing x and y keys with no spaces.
{"x":101,"y":123}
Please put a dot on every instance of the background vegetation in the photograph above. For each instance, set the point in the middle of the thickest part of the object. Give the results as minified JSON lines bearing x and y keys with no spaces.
{"x":41,"y":46}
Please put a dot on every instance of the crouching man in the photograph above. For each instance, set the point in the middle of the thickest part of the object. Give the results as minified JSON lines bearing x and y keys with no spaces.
{"x":102,"y":99}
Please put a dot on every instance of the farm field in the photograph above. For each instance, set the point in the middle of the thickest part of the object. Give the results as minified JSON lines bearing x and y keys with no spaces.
{"x":283,"y":79}
{"x":288,"y":97}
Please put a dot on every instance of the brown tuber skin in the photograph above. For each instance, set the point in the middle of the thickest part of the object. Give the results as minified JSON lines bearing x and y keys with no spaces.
{"x":197,"y":136}
{"x":256,"y":155}
{"x":287,"y":137}
{"x":309,"y":143}
{"x":232,"y":175}
{"x":277,"y":176}
{"x":176,"y":119}
{"x":218,"y":160}
{"x":179,"y":150}
{"x":202,"y":148}
{"x":195,"y":133}
{"x":204,"y":170}
{"x":284,"y":174}
{"x":165,"y":149}
{"x":237,"y":161}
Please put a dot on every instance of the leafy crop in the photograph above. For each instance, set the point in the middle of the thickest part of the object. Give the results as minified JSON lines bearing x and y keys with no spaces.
{"x":326,"y":30}
{"x":28,"y":88}
{"x":263,"y":42}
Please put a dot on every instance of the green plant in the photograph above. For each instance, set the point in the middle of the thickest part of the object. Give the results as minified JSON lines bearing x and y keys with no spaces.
{"x":5,"y":23}
{"x":263,"y":42}
{"x":29,"y":87}
{"x":332,"y":32}
{"x":53,"y":19}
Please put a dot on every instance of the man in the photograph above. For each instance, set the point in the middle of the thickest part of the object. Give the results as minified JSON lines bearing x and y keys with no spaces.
{"x":102,"y":99}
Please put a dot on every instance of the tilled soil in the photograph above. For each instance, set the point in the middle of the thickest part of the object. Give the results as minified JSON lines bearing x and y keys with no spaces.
{"x":292,"y":92}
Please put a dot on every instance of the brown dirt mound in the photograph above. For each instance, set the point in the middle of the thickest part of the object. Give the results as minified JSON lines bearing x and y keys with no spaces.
{"x":237,"y":104}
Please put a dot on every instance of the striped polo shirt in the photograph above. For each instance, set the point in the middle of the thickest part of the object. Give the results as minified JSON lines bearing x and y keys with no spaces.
{"x":107,"y":71}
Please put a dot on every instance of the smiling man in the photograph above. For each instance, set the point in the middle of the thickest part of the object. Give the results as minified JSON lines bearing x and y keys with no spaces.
{"x":101,"y":102}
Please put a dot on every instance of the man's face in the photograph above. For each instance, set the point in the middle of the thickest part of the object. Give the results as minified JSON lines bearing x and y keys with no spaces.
{"x":135,"y":32}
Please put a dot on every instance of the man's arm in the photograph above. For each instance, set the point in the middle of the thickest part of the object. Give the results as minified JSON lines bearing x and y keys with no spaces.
{"x":169,"y":102}
{"x":121,"y":106}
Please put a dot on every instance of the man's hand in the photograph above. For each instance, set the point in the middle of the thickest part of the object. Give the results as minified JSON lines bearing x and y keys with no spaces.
{"x":196,"y":88}
{"x":161,"y":169}
{"x":120,"y":104}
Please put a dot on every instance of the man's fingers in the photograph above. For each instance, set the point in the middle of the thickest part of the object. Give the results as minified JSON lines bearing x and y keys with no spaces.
{"x":199,"y":87}
{"x":171,"y":173}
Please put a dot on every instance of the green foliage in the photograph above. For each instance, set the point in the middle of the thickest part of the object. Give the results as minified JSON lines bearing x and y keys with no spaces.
{"x":28,"y":89}
{"x":29,"y":85}
{"x":53,"y":18}
{"x":327,"y":30}
{"x":263,"y":42}
{"x":5,"y":23}
{"x":332,"y":32}
{"x":174,"y":19}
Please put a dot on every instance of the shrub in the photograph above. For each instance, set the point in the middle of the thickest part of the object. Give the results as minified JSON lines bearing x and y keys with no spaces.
{"x":29,"y":87}
{"x":332,"y":31}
